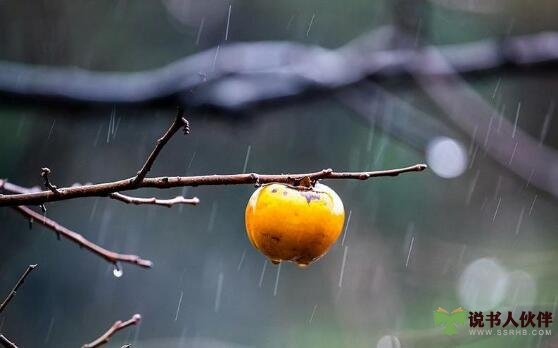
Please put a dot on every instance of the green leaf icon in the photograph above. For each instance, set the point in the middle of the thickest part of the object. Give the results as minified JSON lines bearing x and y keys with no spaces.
{"x":450,"y":321}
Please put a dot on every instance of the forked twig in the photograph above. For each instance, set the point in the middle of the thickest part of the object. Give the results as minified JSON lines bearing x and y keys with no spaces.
{"x":44,"y":174}
{"x":179,"y":123}
{"x":117,"y":326}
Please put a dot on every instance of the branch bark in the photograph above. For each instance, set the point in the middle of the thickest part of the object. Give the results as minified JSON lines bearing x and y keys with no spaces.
{"x":154,"y":201}
{"x":19,"y":283}
{"x":104,"y":189}
{"x":77,"y":238}
{"x":6,"y":343}
{"x":117,"y":326}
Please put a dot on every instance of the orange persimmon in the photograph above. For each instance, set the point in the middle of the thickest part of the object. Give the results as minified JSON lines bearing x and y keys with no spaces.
{"x":294,"y":223}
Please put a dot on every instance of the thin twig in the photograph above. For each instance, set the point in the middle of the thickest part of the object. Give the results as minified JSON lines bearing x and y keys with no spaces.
{"x":77,"y":238}
{"x":44,"y":173}
{"x":6,"y":343}
{"x":117,"y":326}
{"x":19,"y":283}
{"x":179,"y":122}
{"x":154,"y":201}
{"x":104,"y":189}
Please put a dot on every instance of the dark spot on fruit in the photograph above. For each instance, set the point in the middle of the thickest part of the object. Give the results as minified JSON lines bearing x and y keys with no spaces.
{"x":284,"y":193}
{"x":275,"y":238}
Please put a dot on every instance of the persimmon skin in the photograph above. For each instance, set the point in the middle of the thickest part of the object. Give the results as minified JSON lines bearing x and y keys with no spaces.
{"x":287,"y":223}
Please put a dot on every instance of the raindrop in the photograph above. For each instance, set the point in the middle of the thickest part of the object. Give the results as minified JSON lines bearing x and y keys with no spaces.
{"x":346,"y":228}
{"x":241,"y":260}
{"x":516,"y":119}
{"x":310,"y":25}
{"x":313,"y":313}
{"x":496,"y":88}
{"x":290,"y":22}
{"x":277,"y":280}
{"x":178,"y":308}
{"x":263,"y":273}
{"x":202,"y":22}
{"x":97,"y":136}
{"x":215,"y":57}
{"x":497,"y":208}
{"x":370,"y":139}
{"x":50,"y":327}
{"x":513,"y":154}
{"x":219,"y":291}
{"x":532,"y":205}
{"x":518,"y":227}
{"x":546,"y":122}
{"x":343,"y":266}
{"x":410,"y":250}
{"x":109,"y":130}
{"x":446,"y":157}
{"x":472,"y":187}
{"x":190,"y":163}
{"x":51,"y":129}
{"x":246,"y":158}
{"x":530,"y":178}
{"x":117,"y":271}
{"x":94,"y":209}
{"x":116,"y":127}
{"x":212,"y":215}
{"x":228,"y":23}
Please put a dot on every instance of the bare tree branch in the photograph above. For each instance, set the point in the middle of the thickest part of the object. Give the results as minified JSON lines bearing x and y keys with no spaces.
{"x":6,"y":343}
{"x":179,"y":122}
{"x":154,"y":201}
{"x":19,"y":283}
{"x":393,"y":115}
{"x":105,"y":189}
{"x":77,"y":238}
{"x":117,"y":326}
{"x":261,"y":72}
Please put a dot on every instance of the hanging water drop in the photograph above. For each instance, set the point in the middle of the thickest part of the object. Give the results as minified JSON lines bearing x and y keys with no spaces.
{"x":117,"y":271}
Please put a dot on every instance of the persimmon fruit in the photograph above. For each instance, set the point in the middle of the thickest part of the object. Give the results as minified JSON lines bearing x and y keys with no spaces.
{"x":294,"y":223}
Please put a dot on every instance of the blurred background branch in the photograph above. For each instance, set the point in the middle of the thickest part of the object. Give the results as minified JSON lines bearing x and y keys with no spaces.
{"x":245,"y":75}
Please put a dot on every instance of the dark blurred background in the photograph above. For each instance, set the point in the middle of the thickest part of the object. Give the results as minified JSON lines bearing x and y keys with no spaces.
{"x":468,"y":232}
